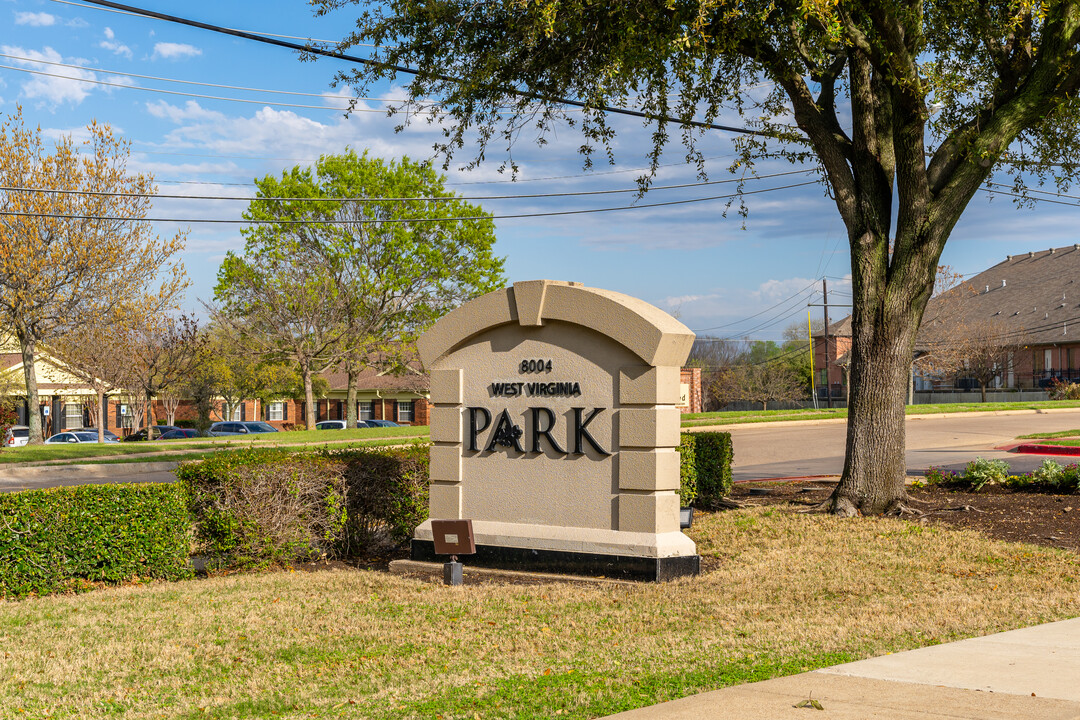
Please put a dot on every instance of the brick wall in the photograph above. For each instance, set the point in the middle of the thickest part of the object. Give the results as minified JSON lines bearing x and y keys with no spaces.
{"x":692,"y":378}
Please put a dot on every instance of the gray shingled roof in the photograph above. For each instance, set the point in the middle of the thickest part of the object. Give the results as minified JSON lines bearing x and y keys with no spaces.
{"x":1035,"y":296}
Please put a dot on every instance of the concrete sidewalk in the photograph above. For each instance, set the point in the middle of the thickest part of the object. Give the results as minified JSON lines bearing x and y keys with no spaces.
{"x":1029,"y":674}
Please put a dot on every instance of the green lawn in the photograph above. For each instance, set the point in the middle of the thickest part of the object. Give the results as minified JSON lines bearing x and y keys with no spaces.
{"x":198,"y":447}
{"x":758,"y":416}
{"x":782,"y":593}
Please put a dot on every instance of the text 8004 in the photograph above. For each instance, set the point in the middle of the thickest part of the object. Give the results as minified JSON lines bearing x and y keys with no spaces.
{"x":535,"y":366}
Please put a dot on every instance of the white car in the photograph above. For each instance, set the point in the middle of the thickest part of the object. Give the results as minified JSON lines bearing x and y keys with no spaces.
{"x":77,"y":436}
{"x":17,"y":436}
{"x":331,"y":425}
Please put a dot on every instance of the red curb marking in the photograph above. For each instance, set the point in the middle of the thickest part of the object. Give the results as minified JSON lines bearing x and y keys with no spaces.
{"x":1028,"y":449}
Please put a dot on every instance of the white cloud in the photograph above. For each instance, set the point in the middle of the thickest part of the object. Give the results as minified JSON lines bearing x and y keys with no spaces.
{"x":35,"y":19}
{"x":116,"y":48}
{"x":52,"y":89}
{"x":175,"y":51}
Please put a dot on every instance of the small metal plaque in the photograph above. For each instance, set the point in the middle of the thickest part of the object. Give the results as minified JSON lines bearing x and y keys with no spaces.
{"x":453,"y":537}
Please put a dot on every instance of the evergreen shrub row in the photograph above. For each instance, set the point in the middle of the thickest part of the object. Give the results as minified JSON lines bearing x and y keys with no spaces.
{"x":65,"y":539}
{"x":256,"y":508}
{"x":705,"y":468}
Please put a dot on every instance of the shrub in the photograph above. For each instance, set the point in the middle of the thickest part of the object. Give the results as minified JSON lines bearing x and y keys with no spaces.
{"x":687,"y":470}
{"x":257,"y":507}
{"x":1050,"y":473}
{"x":937,"y":476}
{"x":64,"y":538}
{"x":705,"y":467}
{"x":261,"y":507}
{"x":1061,"y":390}
{"x":387,"y":492}
{"x":981,"y":472}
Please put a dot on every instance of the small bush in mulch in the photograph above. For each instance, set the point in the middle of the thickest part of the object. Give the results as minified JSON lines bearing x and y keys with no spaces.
{"x":268,"y":507}
{"x":980,"y":473}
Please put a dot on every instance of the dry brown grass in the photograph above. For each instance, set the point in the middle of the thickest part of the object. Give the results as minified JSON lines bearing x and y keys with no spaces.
{"x":791,"y":591}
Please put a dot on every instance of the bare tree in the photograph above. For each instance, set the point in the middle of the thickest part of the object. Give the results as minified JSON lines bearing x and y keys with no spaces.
{"x":772,"y":381}
{"x":163,"y":350}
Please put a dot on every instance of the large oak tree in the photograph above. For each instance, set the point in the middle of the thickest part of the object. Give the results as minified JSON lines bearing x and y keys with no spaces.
{"x":907,"y":107}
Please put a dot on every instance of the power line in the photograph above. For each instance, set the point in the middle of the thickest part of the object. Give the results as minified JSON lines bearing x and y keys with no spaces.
{"x":750,"y":317}
{"x":87,"y":68}
{"x":184,"y":94}
{"x":580,"y":193}
{"x":287,"y":37}
{"x":311,"y":49}
{"x":399,"y":220}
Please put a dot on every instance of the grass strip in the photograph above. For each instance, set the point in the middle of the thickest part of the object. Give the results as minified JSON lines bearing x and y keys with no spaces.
{"x":785,"y":592}
{"x":1049,"y":435}
{"x":760,"y":416}
{"x":199,"y":447}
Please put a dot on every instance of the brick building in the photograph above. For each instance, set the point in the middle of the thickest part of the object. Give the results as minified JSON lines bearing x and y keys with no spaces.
{"x":1033,"y":298}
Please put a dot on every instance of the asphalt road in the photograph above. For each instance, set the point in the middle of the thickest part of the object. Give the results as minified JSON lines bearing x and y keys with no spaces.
{"x":762,"y":451}
{"x":45,"y":476}
{"x":773,"y":450}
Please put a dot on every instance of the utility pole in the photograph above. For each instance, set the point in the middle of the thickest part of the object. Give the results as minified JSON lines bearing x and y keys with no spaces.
{"x":825,"y":304}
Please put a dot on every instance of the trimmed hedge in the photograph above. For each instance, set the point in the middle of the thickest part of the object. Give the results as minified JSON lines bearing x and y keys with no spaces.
{"x":261,"y":507}
{"x":705,"y":468}
{"x":65,"y":538}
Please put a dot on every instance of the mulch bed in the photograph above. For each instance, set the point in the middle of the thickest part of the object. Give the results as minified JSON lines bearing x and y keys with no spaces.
{"x":1000,"y":513}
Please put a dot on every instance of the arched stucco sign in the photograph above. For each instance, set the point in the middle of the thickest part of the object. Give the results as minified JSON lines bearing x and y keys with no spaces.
{"x":555,"y":429}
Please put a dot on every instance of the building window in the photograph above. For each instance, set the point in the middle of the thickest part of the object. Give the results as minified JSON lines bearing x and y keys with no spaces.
{"x":73,"y":415}
{"x":365,"y":411}
{"x":277,"y":411}
{"x":405,"y":411}
{"x":235,"y":417}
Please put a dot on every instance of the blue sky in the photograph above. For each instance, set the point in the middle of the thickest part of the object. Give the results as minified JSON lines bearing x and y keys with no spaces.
{"x":721,"y":278}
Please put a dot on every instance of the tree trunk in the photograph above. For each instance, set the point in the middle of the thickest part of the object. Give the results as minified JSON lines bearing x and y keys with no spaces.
{"x":149,"y":415}
{"x":33,"y":417}
{"x":884,"y":322}
{"x":309,"y":397}
{"x":350,"y":401}
{"x":875,"y":466}
{"x":102,"y":416}
{"x":982,"y":387}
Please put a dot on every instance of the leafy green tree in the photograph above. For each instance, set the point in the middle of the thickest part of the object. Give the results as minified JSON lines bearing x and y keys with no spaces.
{"x":907,"y":107}
{"x":382,"y":251}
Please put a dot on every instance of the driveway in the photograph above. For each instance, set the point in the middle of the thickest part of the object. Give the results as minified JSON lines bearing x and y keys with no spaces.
{"x":796,"y":449}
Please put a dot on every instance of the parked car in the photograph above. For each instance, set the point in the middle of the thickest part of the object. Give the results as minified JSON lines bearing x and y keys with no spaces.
{"x":17,"y":436}
{"x":240,"y":428}
{"x":155,"y":433}
{"x":76,"y":436}
{"x":180,"y":434}
{"x":331,"y":425}
{"x":110,"y":436}
{"x":381,"y":423}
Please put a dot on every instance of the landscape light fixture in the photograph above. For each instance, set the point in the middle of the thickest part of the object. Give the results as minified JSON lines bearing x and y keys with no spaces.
{"x":453,"y":538}
{"x":686,"y":517}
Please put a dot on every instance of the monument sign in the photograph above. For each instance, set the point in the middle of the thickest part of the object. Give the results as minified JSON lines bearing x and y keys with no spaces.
{"x":555,"y":429}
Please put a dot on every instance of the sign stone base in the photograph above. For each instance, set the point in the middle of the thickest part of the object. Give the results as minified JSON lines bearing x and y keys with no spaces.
{"x":623,"y":567}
